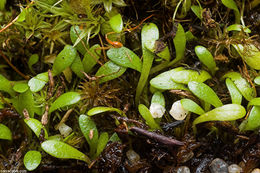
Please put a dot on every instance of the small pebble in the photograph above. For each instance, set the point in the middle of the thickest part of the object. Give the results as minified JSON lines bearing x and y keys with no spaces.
{"x":183,"y":169}
{"x":218,"y":166}
{"x":256,"y":170}
{"x":234,"y":168}
{"x":132,"y":156}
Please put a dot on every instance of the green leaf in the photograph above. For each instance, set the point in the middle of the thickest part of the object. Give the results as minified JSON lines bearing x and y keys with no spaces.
{"x":192,"y":106}
{"x":100,"y":109}
{"x":243,"y":86}
{"x":149,"y":34}
{"x":38,"y":82}
{"x":119,"y":3}
{"x":114,"y":138}
{"x":66,"y":99}
{"x":125,"y":58}
{"x":20,"y":87}
{"x":107,"y":5}
{"x":32,"y":60}
{"x":164,"y":81}
{"x":62,"y":150}
{"x":91,"y":58}
{"x":253,"y":120}
{"x":110,"y":71}
{"x":26,"y":101}
{"x":186,"y":76}
{"x":75,"y":36}
{"x":158,"y":98}
{"x":197,"y":11}
{"x":32,"y":160}
{"x":102,"y":142}
{"x":237,"y":27}
{"x":116,"y":23}
{"x":64,"y":59}
{"x":230,"y":4}
{"x":250,"y":54}
{"x":236,"y":96}
{"x":5,"y":132}
{"x":90,"y":132}
{"x":77,"y":67}
{"x":2,"y":5}
{"x":179,"y":44}
{"x":164,"y":54}
{"x":227,"y":112}
{"x":144,"y":111}
{"x":5,"y":85}
{"x":205,"y":93}
{"x":36,"y":126}
{"x":206,"y":58}
{"x":254,"y":102}
{"x":257,"y":80}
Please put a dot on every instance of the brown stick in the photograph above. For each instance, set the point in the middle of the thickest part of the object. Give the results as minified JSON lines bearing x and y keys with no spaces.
{"x":13,"y":67}
{"x":156,"y":137}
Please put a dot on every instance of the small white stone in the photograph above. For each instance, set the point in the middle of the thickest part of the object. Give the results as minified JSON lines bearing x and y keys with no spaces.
{"x":256,"y":170}
{"x":157,"y":110}
{"x":177,"y":111}
{"x":65,"y":130}
{"x":234,"y":168}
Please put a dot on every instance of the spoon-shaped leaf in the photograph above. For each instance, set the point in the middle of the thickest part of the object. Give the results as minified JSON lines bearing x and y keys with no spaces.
{"x":77,"y":67}
{"x":186,"y":76}
{"x":20,"y":87}
{"x":36,"y":126}
{"x":253,"y":120}
{"x":250,"y":54}
{"x":205,"y":93}
{"x":158,"y":98}
{"x":26,"y":101}
{"x":38,"y":82}
{"x":32,"y":60}
{"x":163,"y":81}
{"x":65,"y":99}
{"x":227,"y":112}
{"x":149,"y":34}
{"x":206,"y":58}
{"x":254,"y":102}
{"x":110,"y":71}
{"x":257,"y":80}
{"x":116,"y":23}
{"x":197,"y":10}
{"x":5,"y":85}
{"x":125,"y":57}
{"x":242,"y":85}
{"x":232,"y":5}
{"x":77,"y":38}
{"x":102,"y":142}
{"x":236,"y":96}
{"x":64,"y":59}
{"x":237,"y":27}
{"x":90,"y":132}
{"x":62,"y":150}
{"x":192,"y":106}
{"x":144,"y":111}
{"x":91,"y":58}
{"x":5,"y":132}
{"x":32,"y":160}
{"x":100,"y":109}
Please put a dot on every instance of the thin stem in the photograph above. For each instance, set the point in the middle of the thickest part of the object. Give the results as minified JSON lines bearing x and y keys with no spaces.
{"x":13,"y":67}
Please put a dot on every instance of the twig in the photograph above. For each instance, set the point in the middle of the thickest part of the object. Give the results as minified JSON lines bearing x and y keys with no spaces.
{"x":156,"y":137}
{"x":13,"y":67}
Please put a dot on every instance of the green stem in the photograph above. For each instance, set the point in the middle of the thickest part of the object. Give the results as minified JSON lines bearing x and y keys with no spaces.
{"x":148,"y":58}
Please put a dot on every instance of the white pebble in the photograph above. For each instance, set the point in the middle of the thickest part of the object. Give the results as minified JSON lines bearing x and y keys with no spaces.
{"x":234,"y":168}
{"x":65,"y":130}
{"x":157,"y":110}
{"x":256,"y":170}
{"x":177,"y":111}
